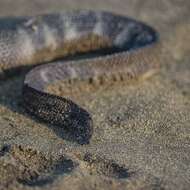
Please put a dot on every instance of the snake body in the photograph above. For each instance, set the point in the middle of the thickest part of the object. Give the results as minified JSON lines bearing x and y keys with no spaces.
{"x":131,"y":49}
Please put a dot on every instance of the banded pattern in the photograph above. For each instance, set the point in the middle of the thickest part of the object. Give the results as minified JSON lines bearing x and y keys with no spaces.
{"x":128,"y":49}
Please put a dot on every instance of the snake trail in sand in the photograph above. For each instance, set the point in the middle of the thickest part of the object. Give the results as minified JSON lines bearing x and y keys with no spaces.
{"x":131,"y":49}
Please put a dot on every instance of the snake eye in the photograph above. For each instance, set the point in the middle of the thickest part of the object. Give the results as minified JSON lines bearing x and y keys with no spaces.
{"x":32,"y":24}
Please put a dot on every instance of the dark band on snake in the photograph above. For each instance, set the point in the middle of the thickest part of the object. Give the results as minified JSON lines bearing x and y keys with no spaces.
{"x":131,"y":51}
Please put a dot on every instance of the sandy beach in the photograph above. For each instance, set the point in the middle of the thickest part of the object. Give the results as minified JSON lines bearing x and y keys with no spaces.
{"x":141,"y":138}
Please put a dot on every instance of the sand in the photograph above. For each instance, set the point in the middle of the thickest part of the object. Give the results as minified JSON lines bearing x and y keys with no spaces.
{"x":141,"y":136}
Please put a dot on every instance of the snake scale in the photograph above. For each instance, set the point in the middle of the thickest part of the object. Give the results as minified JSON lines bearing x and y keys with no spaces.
{"x":130,"y":49}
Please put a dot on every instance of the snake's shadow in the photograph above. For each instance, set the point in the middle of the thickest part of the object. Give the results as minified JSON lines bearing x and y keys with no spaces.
{"x":76,"y":128}
{"x":60,"y":112}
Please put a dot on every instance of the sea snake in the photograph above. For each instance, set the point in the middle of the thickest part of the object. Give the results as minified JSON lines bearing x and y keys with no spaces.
{"x":130,"y":48}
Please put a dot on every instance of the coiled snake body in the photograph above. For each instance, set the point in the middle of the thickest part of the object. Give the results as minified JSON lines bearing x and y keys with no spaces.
{"x":130,"y":46}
